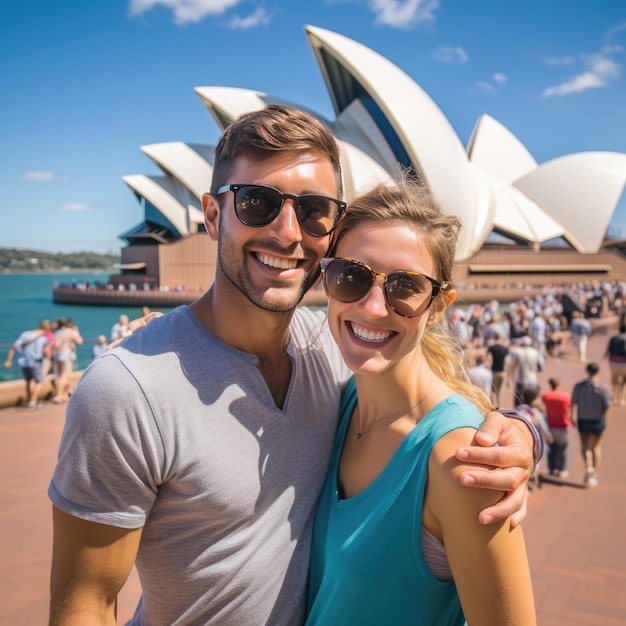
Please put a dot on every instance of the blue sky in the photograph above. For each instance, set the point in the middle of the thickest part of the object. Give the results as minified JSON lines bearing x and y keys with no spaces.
{"x":85,"y":84}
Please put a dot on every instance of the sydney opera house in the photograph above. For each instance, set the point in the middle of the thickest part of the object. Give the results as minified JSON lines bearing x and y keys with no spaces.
{"x":523,"y":222}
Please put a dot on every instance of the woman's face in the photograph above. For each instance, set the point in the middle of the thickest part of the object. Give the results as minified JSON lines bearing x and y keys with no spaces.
{"x":371,"y":335}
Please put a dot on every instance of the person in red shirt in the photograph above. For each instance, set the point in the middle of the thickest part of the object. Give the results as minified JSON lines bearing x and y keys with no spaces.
{"x":557,"y":404}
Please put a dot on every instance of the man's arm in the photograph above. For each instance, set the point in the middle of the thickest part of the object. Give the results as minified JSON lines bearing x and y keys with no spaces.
{"x":134,"y":325}
{"x":517,"y":439}
{"x":573,"y":414}
{"x":511,"y":463}
{"x":90,"y":564}
{"x":9,"y":359}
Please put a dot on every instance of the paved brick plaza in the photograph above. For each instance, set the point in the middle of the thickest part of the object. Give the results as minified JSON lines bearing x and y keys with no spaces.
{"x":576,"y":537}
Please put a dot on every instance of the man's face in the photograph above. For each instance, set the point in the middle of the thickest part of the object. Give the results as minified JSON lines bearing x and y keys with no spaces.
{"x":274,"y":265}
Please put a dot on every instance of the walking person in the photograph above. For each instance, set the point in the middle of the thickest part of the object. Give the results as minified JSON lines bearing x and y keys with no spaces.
{"x":395,"y":540}
{"x":100,"y":347}
{"x":525,"y":363}
{"x":496,"y":359}
{"x":481,"y":376}
{"x":119,"y":330}
{"x":581,"y":331}
{"x":616,"y":353}
{"x":197,"y":448}
{"x":66,"y":337}
{"x":590,"y":401}
{"x":537,"y":332}
{"x":558,"y":405}
{"x":531,"y":402}
{"x":46,"y":363}
{"x":32,"y":346}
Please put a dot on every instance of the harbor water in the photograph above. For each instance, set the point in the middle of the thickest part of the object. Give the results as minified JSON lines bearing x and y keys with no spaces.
{"x":26,"y":299}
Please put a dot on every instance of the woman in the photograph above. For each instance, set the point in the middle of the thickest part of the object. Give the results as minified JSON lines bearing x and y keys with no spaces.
{"x":66,"y":337}
{"x":558,"y":403}
{"x":392,"y":499}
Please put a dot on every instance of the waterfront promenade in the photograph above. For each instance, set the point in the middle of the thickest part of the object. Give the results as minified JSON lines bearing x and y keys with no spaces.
{"x":576,"y":536}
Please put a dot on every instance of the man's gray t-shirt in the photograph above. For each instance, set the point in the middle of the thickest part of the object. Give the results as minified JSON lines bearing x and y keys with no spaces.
{"x":177,"y":432}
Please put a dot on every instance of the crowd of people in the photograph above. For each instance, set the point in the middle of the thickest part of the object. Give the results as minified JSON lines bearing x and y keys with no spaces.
{"x":145,"y":285}
{"x":49,"y":351}
{"x":507,"y":346}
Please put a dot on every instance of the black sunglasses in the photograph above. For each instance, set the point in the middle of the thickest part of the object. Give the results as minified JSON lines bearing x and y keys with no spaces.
{"x":409,"y":294}
{"x":259,"y":205}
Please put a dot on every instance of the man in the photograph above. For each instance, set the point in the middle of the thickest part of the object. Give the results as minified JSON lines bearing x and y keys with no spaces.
{"x":590,"y":402}
{"x":198,"y":447}
{"x":525,"y":363}
{"x":120,"y":328}
{"x":481,"y":376}
{"x":33,"y":346}
{"x":581,"y":330}
{"x":616,"y":352}
{"x":497,"y":359}
{"x":100,"y":347}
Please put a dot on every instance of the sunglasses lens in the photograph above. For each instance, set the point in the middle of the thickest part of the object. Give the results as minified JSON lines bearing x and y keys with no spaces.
{"x":408,"y":294}
{"x":257,"y":206}
{"x":347,"y":281}
{"x":317,"y":214}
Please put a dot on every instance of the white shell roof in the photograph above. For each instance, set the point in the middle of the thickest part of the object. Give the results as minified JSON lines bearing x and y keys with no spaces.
{"x":426,"y":134}
{"x":185,"y":163}
{"x":226,"y":104}
{"x":494,"y":184}
{"x":168,"y":196}
{"x":579,"y":190}
{"x":497,"y":151}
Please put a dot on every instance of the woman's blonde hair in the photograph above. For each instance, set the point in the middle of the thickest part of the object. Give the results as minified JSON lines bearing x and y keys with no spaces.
{"x":413,"y":204}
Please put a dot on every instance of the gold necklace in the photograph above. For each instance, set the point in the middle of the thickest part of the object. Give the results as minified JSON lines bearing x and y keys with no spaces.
{"x":397,"y":414}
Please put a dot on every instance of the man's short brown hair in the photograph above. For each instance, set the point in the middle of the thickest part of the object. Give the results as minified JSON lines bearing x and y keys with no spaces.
{"x":270,"y":130}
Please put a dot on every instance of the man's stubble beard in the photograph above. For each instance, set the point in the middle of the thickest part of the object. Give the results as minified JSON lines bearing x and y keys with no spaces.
{"x":240,"y":279}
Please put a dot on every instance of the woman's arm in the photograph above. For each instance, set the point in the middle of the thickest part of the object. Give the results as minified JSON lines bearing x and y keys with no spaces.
{"x":518,"y":448}
{"x":489,"y":563}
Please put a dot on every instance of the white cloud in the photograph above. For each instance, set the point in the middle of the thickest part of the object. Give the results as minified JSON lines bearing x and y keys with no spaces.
{"x":612,"y":48}
{"x":75,"y":206}
{"x":259,"y":18}
{"x":403,"y":14}
{"x":613,"y":31}
{"x":184,"y":11}
{"x":41,"y":176}
{"x":603,"y":66}
{"x":485,"y":87}
{"x":602,"y":71}
{"x":557,"y":61}
{"x":579,"y":83}
{"x":450,"y":54}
